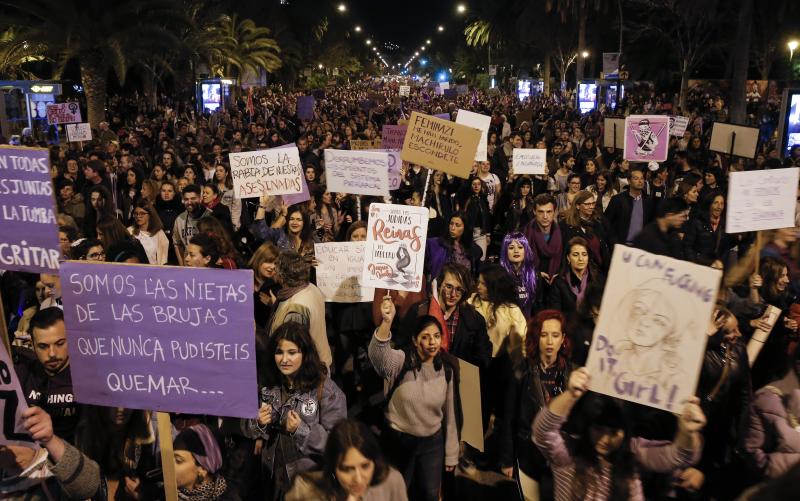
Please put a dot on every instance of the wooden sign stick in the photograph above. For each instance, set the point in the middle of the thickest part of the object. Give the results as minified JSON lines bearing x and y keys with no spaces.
{"x":167,"y":456}
{"x":757,"y":255}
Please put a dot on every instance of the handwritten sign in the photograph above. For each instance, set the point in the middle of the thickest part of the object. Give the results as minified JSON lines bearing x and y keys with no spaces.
{"x":28,"y":227}
{"x":650,"y":338}
{"x":78,"y":132}
{"x":266,"y":172}
{"x":357,"y":172}
{"x":366,"y":144}
{"x":394,"y":168}
{"x":646,"y":138}
{"x":304,"y":195}
{"x":441,"y":145}
{"x":395,"y":248}
{"x":677,"y":125}
{"x":393,"y":136}
{"x":480,"y":122}
{"x":63,"y":113}
{"x":529,"y":161}
{"x":761,"y":200}
{"x":339,"y":272}
{"x":405,"y":90}
{"x":13,"y":403}
{"x":165,"y":338}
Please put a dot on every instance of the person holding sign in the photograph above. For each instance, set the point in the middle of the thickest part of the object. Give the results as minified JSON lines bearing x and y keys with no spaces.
{"x":300,"y":404}
{"x":606,"y":462}
{"x":421,"y":425}
{"x":56,"y":471}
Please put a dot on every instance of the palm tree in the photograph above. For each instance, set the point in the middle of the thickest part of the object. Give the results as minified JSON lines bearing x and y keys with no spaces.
{"x":248,"y":48}
{"x":579,"y":10}
{"x":15,"y":52}
{"x":99,"y":35}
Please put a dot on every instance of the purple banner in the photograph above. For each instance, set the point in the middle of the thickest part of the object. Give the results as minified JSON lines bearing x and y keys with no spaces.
{"x":392,"y":136}
{"x":303,"y":196}
{"x":28,"y":228}
{"x":161,"y":338}
{"x":305,"y":107}
{"x":443,"y":116}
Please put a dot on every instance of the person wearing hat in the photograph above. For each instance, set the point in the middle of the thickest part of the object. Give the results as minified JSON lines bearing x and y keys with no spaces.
{"x":198,"y":462}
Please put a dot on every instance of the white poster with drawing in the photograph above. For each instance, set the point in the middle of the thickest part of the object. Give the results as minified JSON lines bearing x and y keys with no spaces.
{"x":650,"y":338}
{"x":339,"y":272}
{"x":480,"y":122}
{"x":394,"y":255}
{"x":357,"y":172}
{"x":761,"y":200}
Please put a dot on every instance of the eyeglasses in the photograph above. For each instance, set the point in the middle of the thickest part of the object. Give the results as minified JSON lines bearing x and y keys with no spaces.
{"x":589,"y":204}
{"x":96,"y":255}
{"x":141,"y":214}
{"x":451,"y":289}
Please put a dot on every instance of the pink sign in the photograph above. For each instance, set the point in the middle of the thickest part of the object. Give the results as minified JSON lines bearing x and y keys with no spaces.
{"x":646,"y":138}
{"x":393,"y":135}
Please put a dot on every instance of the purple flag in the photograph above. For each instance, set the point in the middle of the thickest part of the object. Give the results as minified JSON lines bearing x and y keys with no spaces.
{"x":305,"y":107}
{"x":161,"y":338}
{"x":28,"y":228}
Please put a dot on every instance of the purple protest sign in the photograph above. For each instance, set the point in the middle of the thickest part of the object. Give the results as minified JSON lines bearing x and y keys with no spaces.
{"x":161,"y":338}
{"x":28,"y":228}
{"x":394,"y":167}
{"x":646,"y":138}
{"x":392,"y":136}
{"x":305,"y":107}
{"x":443,"y":116}
{"x":303,"y":196}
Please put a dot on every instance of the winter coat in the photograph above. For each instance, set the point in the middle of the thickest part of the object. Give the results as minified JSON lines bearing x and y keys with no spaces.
{"x":773,"y":438}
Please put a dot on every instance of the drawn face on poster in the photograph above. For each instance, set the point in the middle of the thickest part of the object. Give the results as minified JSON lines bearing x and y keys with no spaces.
{"x":646,"y":138}
{"x":650,"y":337}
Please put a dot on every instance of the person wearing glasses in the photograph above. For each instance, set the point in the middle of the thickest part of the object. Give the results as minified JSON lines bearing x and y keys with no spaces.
{"x":88,"y":249}
{"x":299,"y":405}
{"x":464,"y":331}
{"x":565,"y":200}
{"x":148,"y":230}
{"x":581,"y":220}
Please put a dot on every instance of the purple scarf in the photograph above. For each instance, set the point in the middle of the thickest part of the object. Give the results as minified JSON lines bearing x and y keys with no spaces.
{"x":552,"y":250}
{"x":581,"y":289}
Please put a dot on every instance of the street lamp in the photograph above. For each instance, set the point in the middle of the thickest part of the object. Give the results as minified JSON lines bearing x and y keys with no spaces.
{"x":585,"y":54}
{"x":341,"y":7}
{"x":792,"y":47}
{"x":368,"y":42}
{"x":416,"y":53}
{"x":320,"y":66}
{"x":357,"y":29}
{"x":428,"y":41}
{"x":461,"y":8}
{"x":440,"y":28}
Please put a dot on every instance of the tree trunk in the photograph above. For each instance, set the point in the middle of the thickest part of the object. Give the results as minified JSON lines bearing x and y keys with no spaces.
{"x":581,"y":44}
{"x":621,"y":12}
{"x":741,"y":62}
{"x":94,"y":75}
{"x":150,"y":89}
{"x":684,"y":85}
{"x":546,"y":72}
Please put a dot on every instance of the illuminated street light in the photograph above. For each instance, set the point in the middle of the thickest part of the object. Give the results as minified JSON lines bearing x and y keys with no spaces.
{"x":428,"y":41}
{"x":440,"y":28}
{"x":369,"y":42}
{"x":792,"y":47}
{"x":416,"y":53}
{"x":320,"y":66}
{"x":461,"y":8}
{"x":357,"y":29}
{"x":342,"y":7}
{"x":585,"y":54}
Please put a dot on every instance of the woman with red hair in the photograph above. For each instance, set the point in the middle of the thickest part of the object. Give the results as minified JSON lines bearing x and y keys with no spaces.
{"x":542,"y":376}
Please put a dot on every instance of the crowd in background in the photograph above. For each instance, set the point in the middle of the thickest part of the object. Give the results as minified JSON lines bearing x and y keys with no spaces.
{"x":361,"y":401}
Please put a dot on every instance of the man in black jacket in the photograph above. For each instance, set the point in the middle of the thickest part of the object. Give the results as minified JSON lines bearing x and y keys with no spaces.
{"x":661,"y":236}
{"x":629,"y":211}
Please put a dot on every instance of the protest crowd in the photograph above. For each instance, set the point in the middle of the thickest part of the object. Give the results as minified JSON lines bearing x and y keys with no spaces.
{"x":364,"y":400}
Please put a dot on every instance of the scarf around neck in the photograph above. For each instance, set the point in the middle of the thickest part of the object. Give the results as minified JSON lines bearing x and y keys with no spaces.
{"x":551,"y":250}
{"x":286,"y":293}
{"x":207,"y":491}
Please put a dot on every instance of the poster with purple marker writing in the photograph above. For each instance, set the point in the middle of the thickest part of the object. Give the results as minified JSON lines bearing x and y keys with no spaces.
{"x":161,"y":338}
{"x":646,"y":138}
{"x":28,"y":228}
{"x":650,"y":338}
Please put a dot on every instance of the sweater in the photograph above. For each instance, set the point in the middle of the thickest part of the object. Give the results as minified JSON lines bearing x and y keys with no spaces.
{"x":423,"y":400}
{"x":155,"y":246}
{"x":306,"y":486}
{"x":506,"y":328}
{"x":655,"y":456}
{"x":308,"y":308}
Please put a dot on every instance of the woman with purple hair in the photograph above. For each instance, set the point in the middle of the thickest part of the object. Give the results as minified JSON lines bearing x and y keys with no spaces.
{"x":517,"y":258}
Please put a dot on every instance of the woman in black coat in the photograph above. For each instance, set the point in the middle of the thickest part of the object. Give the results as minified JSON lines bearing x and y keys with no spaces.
{"x":569,"y":288}
{"x":705,"y":241}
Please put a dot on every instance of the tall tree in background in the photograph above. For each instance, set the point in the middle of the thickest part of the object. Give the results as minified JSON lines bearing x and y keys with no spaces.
{"x":15,"y":53}
{"x":99,"y":35}
{"x":579,"y":10}
{"x":741,"y":62}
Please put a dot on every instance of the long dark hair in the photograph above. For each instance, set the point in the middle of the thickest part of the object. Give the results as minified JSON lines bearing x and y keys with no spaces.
{"x":346,"y":434}
{"x":466,"y":237}
{"x":312,"y":371}
{"x":500,"y":287}
{"x":412,"y":361}
{"x":601,"y":410}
